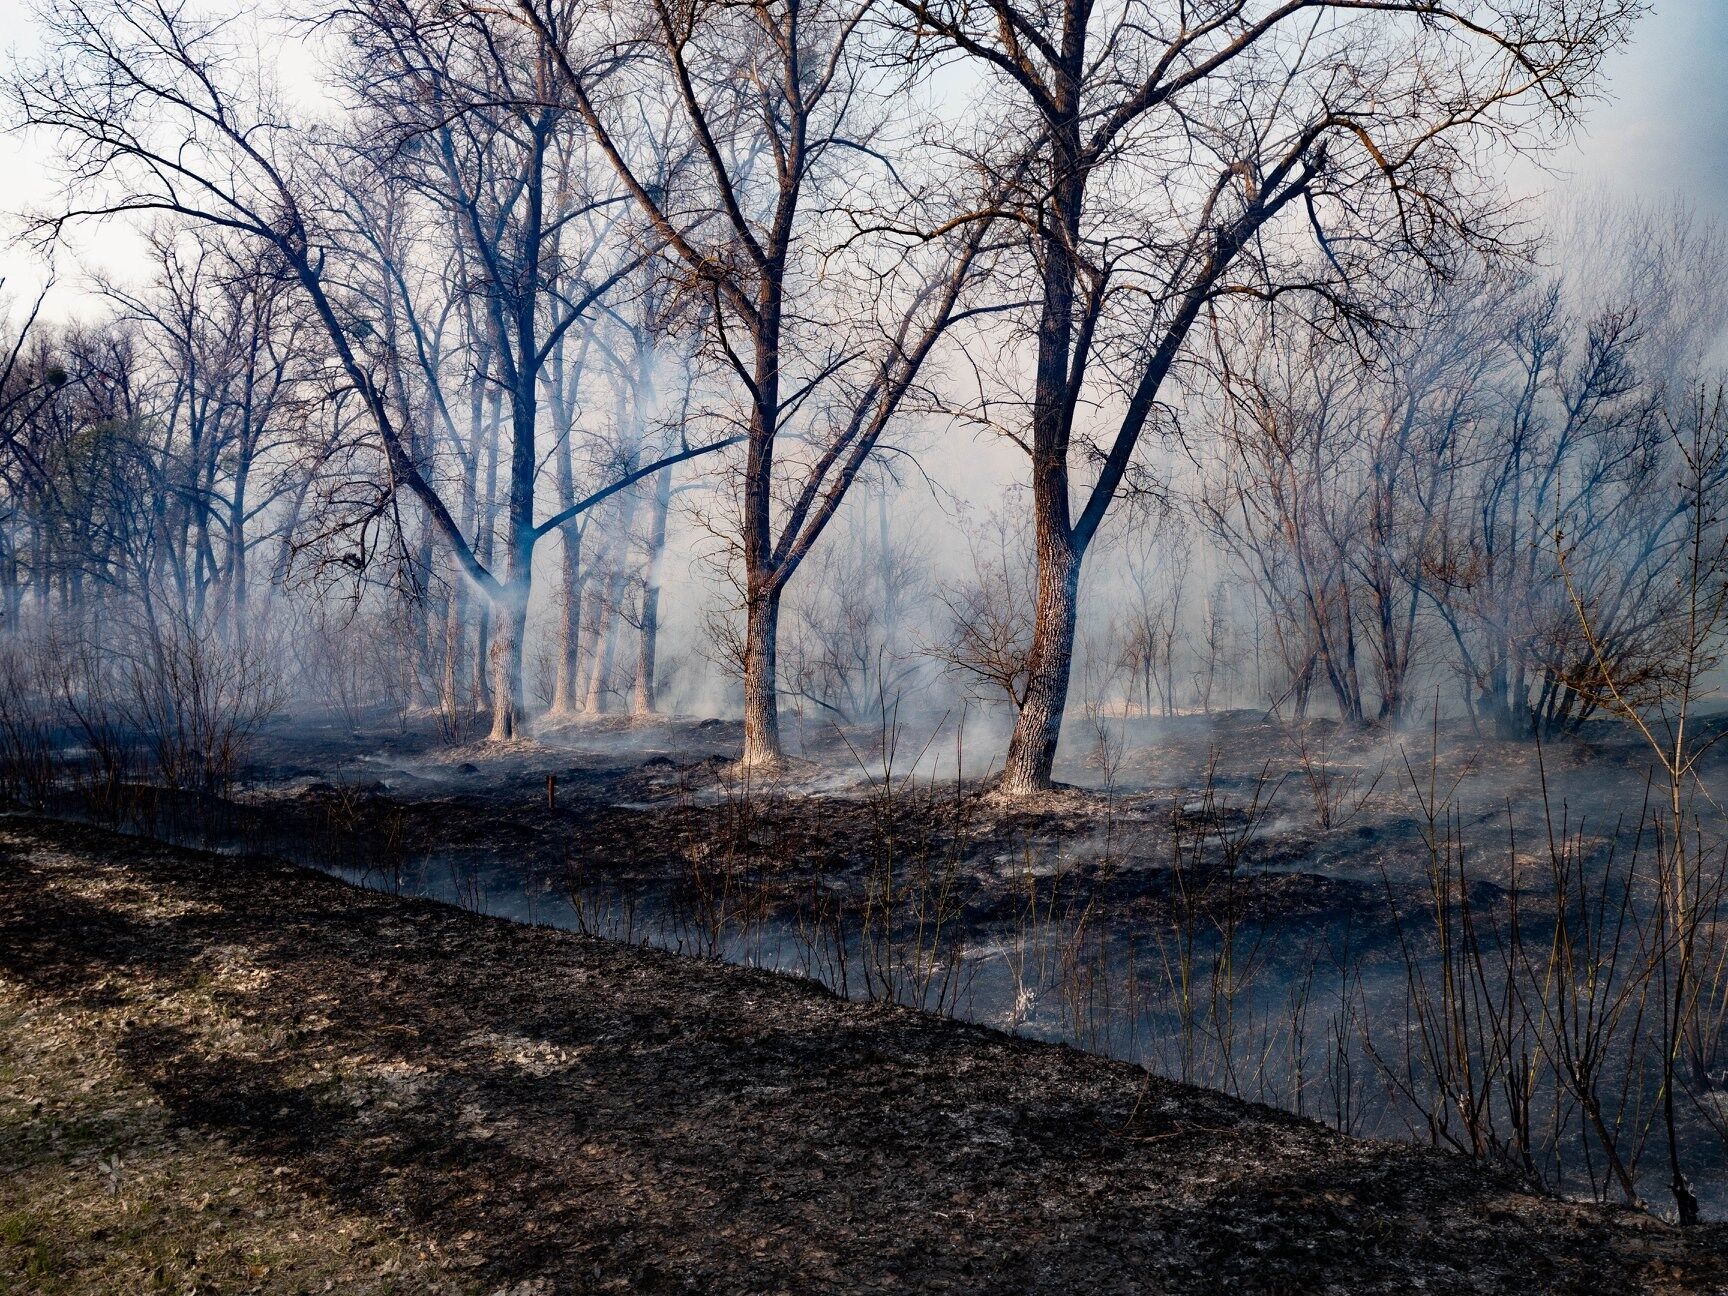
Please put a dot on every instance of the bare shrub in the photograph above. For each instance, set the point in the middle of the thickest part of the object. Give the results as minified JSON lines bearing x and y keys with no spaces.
{"x":197,"y":697}
{"x":988,"y":636}
{"x":357,"y":659}
{"x":843,"y":649}
{"x":1337,"y":788}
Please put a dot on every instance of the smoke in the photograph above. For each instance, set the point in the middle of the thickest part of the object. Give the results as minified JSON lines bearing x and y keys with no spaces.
{"x":1663,"y":130}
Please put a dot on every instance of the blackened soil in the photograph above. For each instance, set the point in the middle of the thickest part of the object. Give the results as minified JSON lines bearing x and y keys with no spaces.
{"x":565,"y":1114}
{"x":1219,"y":819}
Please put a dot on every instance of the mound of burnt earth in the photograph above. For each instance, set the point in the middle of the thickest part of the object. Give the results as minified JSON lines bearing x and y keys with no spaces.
{"x":231,"y":1074}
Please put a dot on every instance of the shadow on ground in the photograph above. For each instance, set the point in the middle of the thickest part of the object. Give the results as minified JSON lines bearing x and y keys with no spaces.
{"x":576,"y":1116}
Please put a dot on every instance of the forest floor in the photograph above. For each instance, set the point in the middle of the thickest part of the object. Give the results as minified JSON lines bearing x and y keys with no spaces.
{"x":1307,"y":841}
{"x":224,"y":1073}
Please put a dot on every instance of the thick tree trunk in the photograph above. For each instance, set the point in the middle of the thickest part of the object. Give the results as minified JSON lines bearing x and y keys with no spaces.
{"x":1032,"y":749}
{"x":645,"y":699}
{"x":762,"y":749}
{"x":510,"y":627}
{"x":509,"y":700}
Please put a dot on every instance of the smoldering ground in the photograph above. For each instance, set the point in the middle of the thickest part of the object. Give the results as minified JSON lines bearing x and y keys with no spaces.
{"x":1346,"y":924}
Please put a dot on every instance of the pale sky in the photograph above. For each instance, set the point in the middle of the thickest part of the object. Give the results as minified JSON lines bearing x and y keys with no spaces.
{"x":1664,"y":133}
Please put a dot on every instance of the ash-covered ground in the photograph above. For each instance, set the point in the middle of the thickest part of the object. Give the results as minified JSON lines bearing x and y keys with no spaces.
{"x":223,"y":1073}
{"x":1435,"y":938}
{"x":1428,"y":935}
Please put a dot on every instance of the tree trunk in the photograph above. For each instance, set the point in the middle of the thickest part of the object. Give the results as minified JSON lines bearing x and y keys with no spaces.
{"x":455,"y":698}
{"x":510,"y":627}
{"x":484,"y":544}
{"x":600,"y":685}
{"x":455,"y":633}
{"x":1032,"y":749}
{"x":762,"y":749}
{"x":237,"y":591}
{"x":427,"y":631}
{"x":646,"y":700}
{"x":509,"y":711}
{"x":564,"y":686}
{"x":598,"y":701}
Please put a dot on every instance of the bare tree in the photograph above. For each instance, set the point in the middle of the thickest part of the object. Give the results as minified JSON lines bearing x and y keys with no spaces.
{"x":789,"y":221}
{"x":991,"y":610}
{"x":1570,"y":437}
{"x":1184,"y":158}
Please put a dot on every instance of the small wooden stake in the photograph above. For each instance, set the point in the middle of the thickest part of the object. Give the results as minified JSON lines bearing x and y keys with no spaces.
{"x":551,"y":791}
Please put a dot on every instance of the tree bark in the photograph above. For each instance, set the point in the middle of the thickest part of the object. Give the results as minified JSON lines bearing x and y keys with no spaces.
{"x":762,"y":749}
{"x":1032,"y":749}
{"x":509,"y":712}
{"x":569,"y":622}
{"x":598,"y":701}
{"x":510,"y":626}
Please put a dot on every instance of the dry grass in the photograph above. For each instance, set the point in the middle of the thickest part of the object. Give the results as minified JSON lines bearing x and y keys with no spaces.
{"x":103,"y":1190}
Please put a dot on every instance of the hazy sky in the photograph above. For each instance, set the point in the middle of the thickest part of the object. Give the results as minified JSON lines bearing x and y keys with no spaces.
{"x":1665,"y":132}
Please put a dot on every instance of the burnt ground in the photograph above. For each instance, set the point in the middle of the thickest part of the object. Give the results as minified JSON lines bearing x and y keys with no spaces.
{"x":1220,"y":816}
{"x":646,"y":804}
{"x":231,"y":1074}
